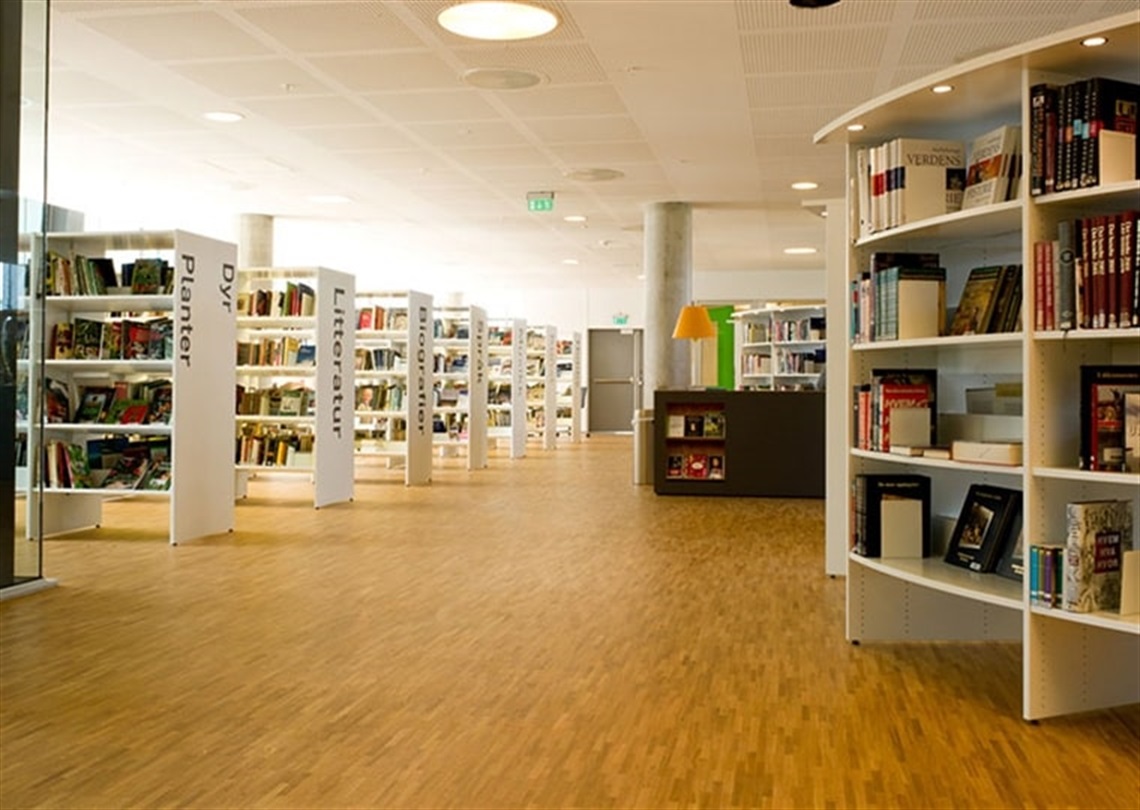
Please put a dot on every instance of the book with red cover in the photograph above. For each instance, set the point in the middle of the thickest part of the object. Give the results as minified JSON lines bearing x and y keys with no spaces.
{"x":697,"y":465}
{"x":1126,"y":313}
{"x":898,"y":395}
{"x":1102,"y":404}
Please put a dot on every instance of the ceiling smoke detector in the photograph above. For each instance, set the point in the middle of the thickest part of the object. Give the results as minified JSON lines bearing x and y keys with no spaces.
{"x":502,"y":78}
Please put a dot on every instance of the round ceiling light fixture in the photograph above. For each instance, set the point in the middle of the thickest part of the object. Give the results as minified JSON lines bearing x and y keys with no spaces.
{"x":1094,"y":42}
{"x":223,"y":117}
{"x":574,"y":218}
{"x":502,"y":78}
{"x":497,"y":20}
{"x":593,"y":175}
{"x":805,"y":185}
{"x":812,"y":3}
{"x":800,"y":251}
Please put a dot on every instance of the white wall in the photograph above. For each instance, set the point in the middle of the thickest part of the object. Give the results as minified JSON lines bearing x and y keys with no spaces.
{"x":753,"y":285}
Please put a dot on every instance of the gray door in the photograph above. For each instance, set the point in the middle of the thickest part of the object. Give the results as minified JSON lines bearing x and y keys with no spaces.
{"x":614,"y":358}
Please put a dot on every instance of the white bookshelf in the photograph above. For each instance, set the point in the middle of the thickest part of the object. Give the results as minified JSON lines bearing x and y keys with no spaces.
{"x":200,"y":303}
{"x":780,"y":347}
{"x":325,"y":325}
{"x":541,"y":392}
{"x":568,"y":378}
{"x":1072,"y":662}
{"x":506,"y":375}
{"x":398,"y":337}
{"x":460,"y":384}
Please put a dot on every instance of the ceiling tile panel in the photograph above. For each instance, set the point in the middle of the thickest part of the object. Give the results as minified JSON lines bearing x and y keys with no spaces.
{"x":837,"y":88}
{"x":961,"y":10}
{"x":72,"y":87}
{"x":770,"y":120}
{"x":333,"y":27}
{"x":89,"y":7}
{"x":585,"y":130}
{"x":812,"y":50}
{"x":559,"y":101}
{"x":138,"y":119}
{"x":479,"y":158}
{"x":469,"y":134}
{"x":365,"y":136}
{"x":943,"y":44}
{"x":412,"y":163}
{"x":299,"y":111}
{"x":604,"y":154}
{"x":178,"y":35}
{"x":463,"y":104}
{"x":252,"y":78}
{"x":377,"y":73}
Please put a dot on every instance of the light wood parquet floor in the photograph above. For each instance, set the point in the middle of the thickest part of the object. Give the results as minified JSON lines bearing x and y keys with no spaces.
{"x":538,"y":634}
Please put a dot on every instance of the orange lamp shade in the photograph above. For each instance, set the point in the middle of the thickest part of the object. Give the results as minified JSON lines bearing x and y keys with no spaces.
{"x":694,"y":323}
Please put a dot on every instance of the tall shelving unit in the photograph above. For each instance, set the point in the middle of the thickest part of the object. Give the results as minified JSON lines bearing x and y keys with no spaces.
{"x":541,"y":393}
{"x":298,"y":345}
{"x":393,"y":402}
{"x":506,"y":375}
{"x":460,"y":384}
{"x":199,"y":304}
{"x":1072,"y":662}
{"x":780,"y":348}
{"x":568,"y":377}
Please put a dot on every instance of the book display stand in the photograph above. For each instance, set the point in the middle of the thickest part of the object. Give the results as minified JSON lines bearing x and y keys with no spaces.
{"x":393,"y":369}
{"x":1072,"y":661}
{"x":541,"y":392}
{"x":296,"y":345}
{"x":137,"y":377}
{"x":460,"y":384}
{"x":506,"y":375}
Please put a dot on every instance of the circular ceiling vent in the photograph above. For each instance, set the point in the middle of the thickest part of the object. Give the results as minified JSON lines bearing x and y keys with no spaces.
{"x":491,"y":78}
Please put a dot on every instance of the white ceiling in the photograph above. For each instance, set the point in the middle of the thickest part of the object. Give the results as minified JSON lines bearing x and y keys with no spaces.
{"x":713,"y":102}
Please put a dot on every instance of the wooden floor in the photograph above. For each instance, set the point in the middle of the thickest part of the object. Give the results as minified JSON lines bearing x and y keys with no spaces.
{"x":538,"y":634}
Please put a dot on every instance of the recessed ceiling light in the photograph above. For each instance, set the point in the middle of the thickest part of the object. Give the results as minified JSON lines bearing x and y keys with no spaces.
{"x":812,"y":3}
{"x":497,"y":20}
{"x":221,"y":117}
{"x":855,"y":127}
{"x":329,"y":199}
{"x":941,"y":88}
{"x":502,"y":78}
{"x":641,"y":276}
{"x":574,"y":218}
{"x":805,"y":185}
{"x":800,"y":251}
{"x":1094,"y":42}
{"x":593,"y":175}
{"x":569,"y":261}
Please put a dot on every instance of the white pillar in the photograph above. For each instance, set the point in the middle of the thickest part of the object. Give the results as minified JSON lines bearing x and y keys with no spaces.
{"x":668,"y":268}
{"x":255,"y":240}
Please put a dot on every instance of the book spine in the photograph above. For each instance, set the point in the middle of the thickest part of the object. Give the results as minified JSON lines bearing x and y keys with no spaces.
{"x":1127,"y":233}
{"x":1066,"y":281}
{"x":1037,"y":95}
{"x":1084,"y":273}
{"x":1039,"y":286}
{"x":1111,"y":271}
{"x":1050,"y":286}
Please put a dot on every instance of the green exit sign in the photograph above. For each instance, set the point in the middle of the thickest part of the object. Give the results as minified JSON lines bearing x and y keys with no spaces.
{"x":540,"y":201}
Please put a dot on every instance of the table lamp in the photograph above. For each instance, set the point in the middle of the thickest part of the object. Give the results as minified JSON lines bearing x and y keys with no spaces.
{"x":694,"y":323}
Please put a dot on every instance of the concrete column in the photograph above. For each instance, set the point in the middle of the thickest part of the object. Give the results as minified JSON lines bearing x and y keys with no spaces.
{"x":255,"y":240}
{"x":668,"y":287}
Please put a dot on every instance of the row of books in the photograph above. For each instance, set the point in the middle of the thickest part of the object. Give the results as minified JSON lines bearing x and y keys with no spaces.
{"x":907,"y":180}
{"x":115,"y":463}
{"x":451,"y":329}
{"x":377,"y":359}
{"x":120,"y":403}
{"x":799,"y":329}
{"x":450,"y":395}
{"x":294,"y":300}
{"x":891,"y":518}
{"x":281,"y":351}
{"x":121,"y":339}
{"x":1085,"y":574}
{"x":703,"y":425}
{"x":450,"y":364}
{"x":389,"y":397}
{"x":756,"y":363}
{"x":369,"y":436}
{"x":812,"y":362}
{"x":382,"y":319}
{"x":292,"y":399}
{"x":1086,"y":278}
{"x":756,"y":331}
{"x":499,"y":336}
{"x":84,"y":275}
{"x":695,"y":466}
{"x":1066,"y":125}
{"x":898,"y":406}
{"x":267,"y":445}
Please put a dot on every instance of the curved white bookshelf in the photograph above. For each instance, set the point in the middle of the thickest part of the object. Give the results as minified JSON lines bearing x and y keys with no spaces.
{"x":1072,"y":661}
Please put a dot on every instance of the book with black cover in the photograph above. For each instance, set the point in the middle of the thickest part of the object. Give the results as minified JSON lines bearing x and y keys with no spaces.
{"x":983,"y":525}
{"x":1011,"y":562}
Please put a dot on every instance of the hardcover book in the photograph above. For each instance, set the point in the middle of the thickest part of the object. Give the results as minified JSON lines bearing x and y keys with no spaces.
{"x":675,"y":467}
{"x":983,"y":526}
{"x":1103,"y":414}
{"x":697,"y":465}
{"x":929,"y":178}
{"x":972,"y":317}
{"x":146,"y":276}
{"x":87,"y":338}
{"x":1099,"y":532}
{"x":1011,"y":563}
{"x":870,"y":490}
{"x":694,"y":425}
{"x":93,"y":404}
{"x":1132,"y":432}
{"x":991,"y":157}
{"x":714,"y":425}
{"x":716,"y":466}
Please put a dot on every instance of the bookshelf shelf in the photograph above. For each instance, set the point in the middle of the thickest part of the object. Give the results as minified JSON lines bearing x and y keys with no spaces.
{"x":1071,"y":662}
{"x":459,"y":410}
{"x":939,"y":576}
{"x":568,"y":379}
{"x":780,"y":343}
{"x":199,"y":328}
{"x":506,"y":384}
{"x":309,"y":307}
{"x":541,"y":386}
